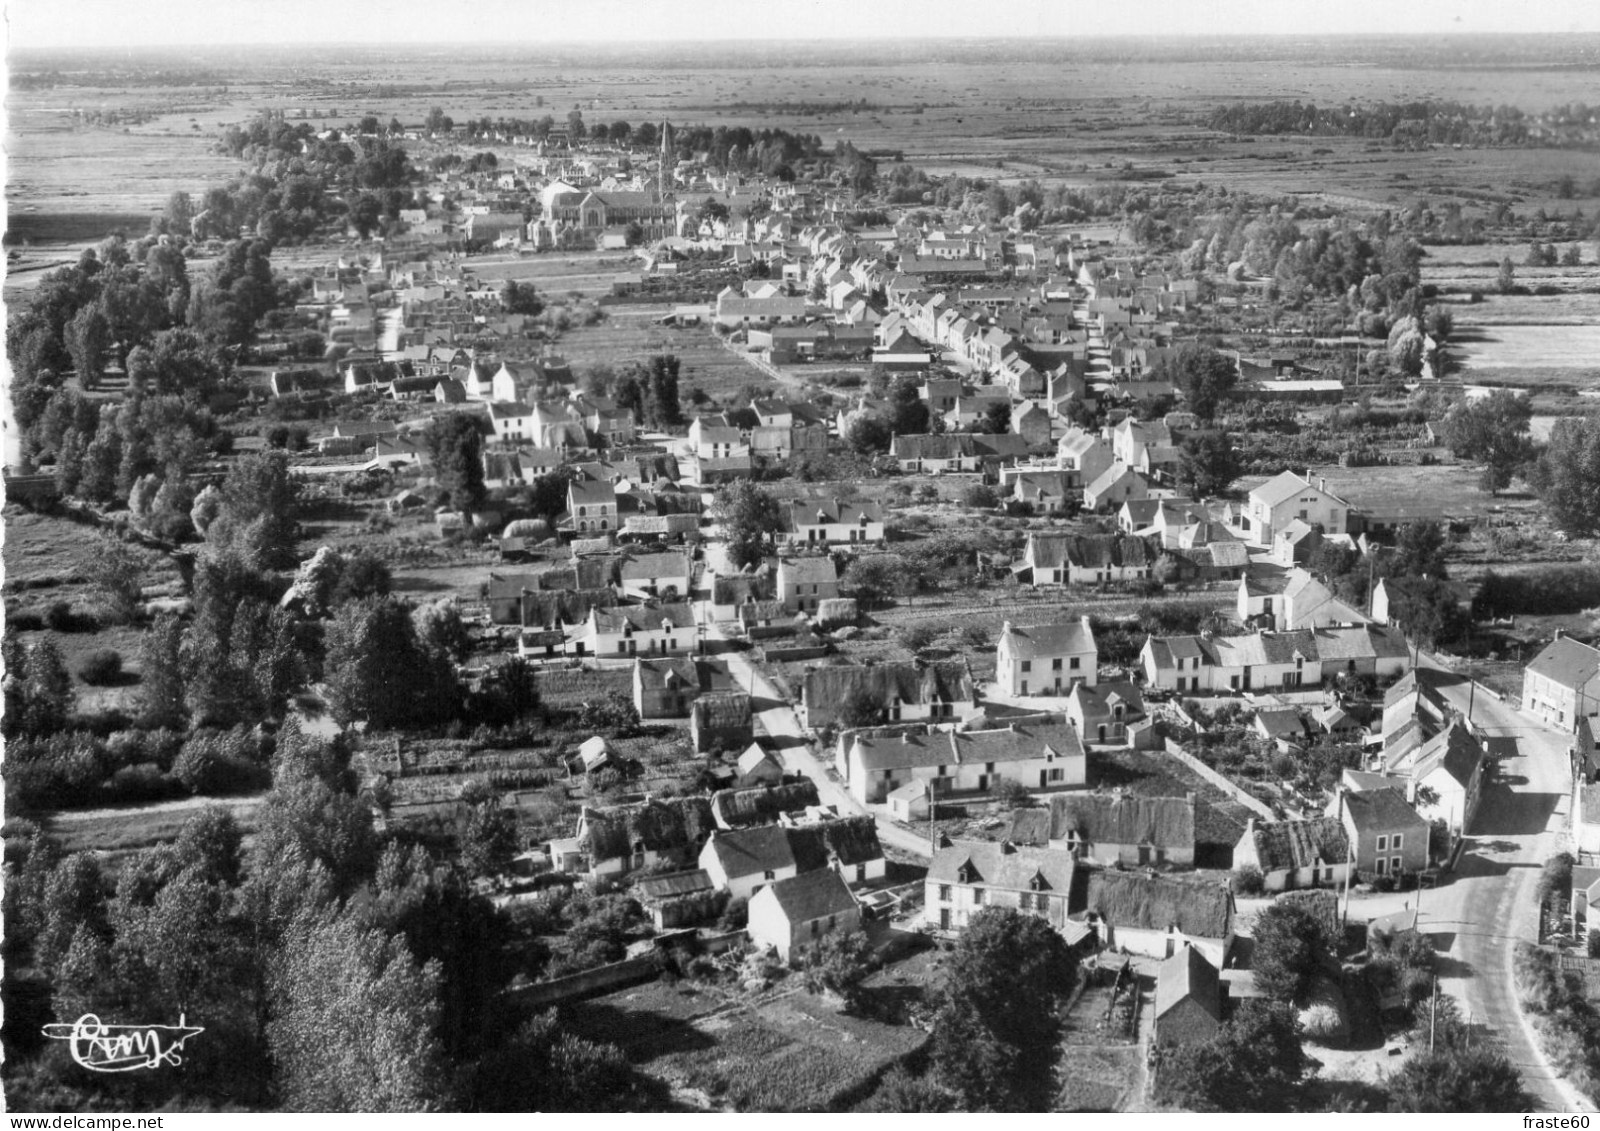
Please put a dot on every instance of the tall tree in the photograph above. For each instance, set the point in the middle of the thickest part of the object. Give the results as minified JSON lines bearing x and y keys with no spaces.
{"x":377,"y":669}
{"x":161,"y":680}
{"x":749,"y":518}
{"x":1494,"y":430}
{"x":994,"y":1037}
{"x":1208,"y":464}
{"x":1206,"y":377}
{"x":259,"y":499}
{"x":1254,"y":1063}
{"x":353,"y":1021}
{"x":88,"y":337}
{"x":1290,"y":945}
{"x":1566,"y":476}
{"x":456,"y":446}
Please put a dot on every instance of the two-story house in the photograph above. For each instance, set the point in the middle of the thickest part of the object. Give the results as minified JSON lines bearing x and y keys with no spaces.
{"x":592,"y":506}
{"x":804,"y":583}
{"x":1045,"y":659}
{"x":1287,"y":497}
{"x":1562,"y":683}
{"x":1389,"y":837}
{"x":823,"y":521}
{"x":629,"y":631}
{"x":666,"y":576}
{"x":967,"y":876}
{"x":1038,"y":755}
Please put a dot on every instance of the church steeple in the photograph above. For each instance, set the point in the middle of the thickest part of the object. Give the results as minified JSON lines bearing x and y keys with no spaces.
{"x":668,"y":160}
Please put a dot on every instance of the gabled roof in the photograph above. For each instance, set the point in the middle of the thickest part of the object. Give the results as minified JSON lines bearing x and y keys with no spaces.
{"x":1115,"y":818}
{"x":945,"y":681}
{"x":645,"y":619}
{"x":1188,"y":976}
{"x":1007,"y":866}
{"x":811,"y":896}
{"x":1567,"y":662}
{"x":1139,"y":901}
{"x":1381,"y":810}
{"x":808,"y":571}
{"x":734,"y":808}
{"x":1454,"y":750}
{"x":1293,"y":845}
{"x":648,"y":566}
{"x":1029,"y":642}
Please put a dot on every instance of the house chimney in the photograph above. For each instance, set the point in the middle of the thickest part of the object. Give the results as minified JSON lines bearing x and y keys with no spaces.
{"x":1560,"y":632}
{"x":1322,"y":483}
{"x":1005,"y":629}
{"x":1308,"y":477}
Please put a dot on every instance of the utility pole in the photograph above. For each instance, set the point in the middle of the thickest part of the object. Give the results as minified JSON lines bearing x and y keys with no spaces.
{"x":1433,"y":1013}
{"x":1349,"y":866}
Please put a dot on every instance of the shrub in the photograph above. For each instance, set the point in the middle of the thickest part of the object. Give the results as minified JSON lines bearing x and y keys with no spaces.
{"x":101,"y":667}
{"x":24,"y":622}
{"x":980,"y":497}
{"x":1382,"y":883}
{"x":918,"y":636}
{"x":58,"y":617}
{"x":1247,"y":880}
{"x":1010,"y":793}
{"x":1320,"y":1023}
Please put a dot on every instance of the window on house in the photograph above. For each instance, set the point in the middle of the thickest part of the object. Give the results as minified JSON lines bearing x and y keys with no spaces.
{"x":1058,"y":775}
{"x":1394,"y":841}
{"x":1027,"y":665}
{"x":977,"y":896}
{"x":944,"y":893}
{"x":1394,"y":865}
{"x":769,"y":874}
{"x":1077,"y":663}
{"x":1383,"y":843}
{"x":1055,"y":665}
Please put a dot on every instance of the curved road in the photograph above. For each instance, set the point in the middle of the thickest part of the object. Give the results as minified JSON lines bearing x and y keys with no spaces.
{"x":1487,"y":907}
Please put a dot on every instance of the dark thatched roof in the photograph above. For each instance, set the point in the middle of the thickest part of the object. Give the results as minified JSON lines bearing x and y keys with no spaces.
{"x":827,"y":688}
{"x":734,"y":808}
{"x":1292,"y":845}
{"x":660,"y":826}
{"x":1139,"y":901}
{"x":1112,"y":818}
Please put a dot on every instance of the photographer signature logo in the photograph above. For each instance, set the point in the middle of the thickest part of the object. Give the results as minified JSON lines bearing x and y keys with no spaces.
{"x":123,"y":1048}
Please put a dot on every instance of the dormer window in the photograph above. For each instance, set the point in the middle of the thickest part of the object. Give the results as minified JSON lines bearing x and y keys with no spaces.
{"x":1038,"y":883}
{"x":967,"y":874}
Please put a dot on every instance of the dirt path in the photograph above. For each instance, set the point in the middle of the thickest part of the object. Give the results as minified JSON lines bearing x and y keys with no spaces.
{"x":67,"y":817}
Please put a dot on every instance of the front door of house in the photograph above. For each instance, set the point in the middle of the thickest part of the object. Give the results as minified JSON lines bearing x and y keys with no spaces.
{"x":944,"y":918}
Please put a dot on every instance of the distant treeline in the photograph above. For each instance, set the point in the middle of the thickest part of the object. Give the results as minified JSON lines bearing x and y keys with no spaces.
{"x":1448,"y":123}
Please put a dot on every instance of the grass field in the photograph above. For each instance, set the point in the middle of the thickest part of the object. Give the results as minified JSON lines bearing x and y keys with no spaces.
{"x":1452,"y":489}
{"x":119,"y":831}
{"x":1574,"y":349}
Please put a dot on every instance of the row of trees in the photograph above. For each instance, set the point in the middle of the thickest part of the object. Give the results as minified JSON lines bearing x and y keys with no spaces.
{"x":332,"y":970}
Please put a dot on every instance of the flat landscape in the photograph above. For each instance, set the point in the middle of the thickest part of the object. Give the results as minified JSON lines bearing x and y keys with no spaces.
{"x":730,"y":575}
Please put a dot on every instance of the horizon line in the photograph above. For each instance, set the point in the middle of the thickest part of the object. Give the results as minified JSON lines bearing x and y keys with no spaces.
{"x":864,"y":39}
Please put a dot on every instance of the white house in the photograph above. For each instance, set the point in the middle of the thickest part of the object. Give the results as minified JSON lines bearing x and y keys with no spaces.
{"x":635,"y":630}
{"x":1045,"y":659}
{"x":792,"y":915}
{"x":1286,"y":497}
{"x":1040,"y":756}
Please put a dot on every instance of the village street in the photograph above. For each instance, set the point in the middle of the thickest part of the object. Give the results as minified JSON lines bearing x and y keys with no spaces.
{"x":788,"y":741}
{"x":1479,"y":914}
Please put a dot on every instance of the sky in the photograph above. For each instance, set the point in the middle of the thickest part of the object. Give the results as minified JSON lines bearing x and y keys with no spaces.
{"x":150,"y":23}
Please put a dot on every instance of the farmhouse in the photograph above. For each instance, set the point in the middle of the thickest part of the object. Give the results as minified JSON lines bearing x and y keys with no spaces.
{"x":1038,"y":755}
{"x":1188,"y":1000}
{"x":740,"y":808}
{"x":792,"y":915}
{"x":905,"y":691}
{"x":1102,"y":712}
{"x":721,"y":721}
{"x":816,"y":521}
{"x":968,"y":876}
{"x":1045,"y":659}
{"x":1112,"y":828}
{"x":1295,"y":854}
{"x":1287,"y":497}
{"x":611,"y":841}
{"x":804,"y":583}
{"x":1156,"y":915}
{"x":624,"y":632}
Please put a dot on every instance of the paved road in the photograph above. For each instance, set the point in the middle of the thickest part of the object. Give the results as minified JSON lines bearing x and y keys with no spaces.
{"x":779,"y":720}
{"x":1488,"y":907}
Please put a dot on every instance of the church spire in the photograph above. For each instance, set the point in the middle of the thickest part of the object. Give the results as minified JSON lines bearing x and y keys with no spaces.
{"x":668,"y":159}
